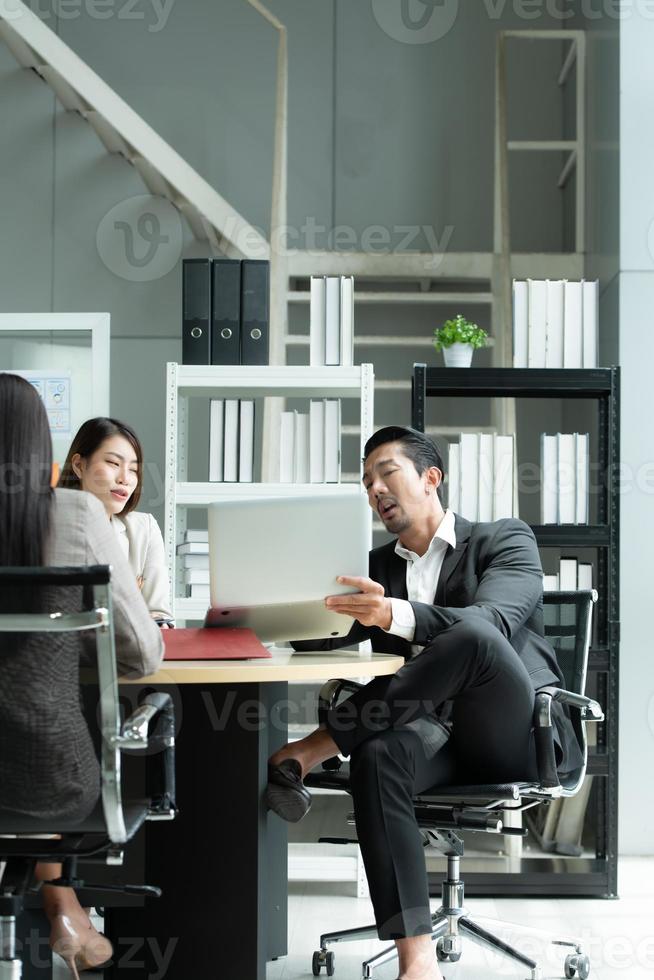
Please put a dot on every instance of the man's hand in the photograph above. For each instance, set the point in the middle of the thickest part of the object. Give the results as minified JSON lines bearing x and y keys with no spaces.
{"x":368,"y":605}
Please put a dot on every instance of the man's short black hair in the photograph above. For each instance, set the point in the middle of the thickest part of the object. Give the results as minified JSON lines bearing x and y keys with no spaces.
{"x":422,"y":450}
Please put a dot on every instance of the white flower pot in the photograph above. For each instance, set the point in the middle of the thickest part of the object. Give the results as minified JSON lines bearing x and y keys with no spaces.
{"x":458,"y":355}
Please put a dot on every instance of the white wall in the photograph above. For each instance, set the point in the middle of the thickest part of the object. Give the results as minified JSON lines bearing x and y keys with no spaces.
{"x":636,"y":292}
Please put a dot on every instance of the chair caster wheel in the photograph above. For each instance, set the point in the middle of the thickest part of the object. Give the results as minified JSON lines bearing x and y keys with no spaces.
{"x":446,"y":956}
{"x":322,"y":958}
{"x":577,"y":964}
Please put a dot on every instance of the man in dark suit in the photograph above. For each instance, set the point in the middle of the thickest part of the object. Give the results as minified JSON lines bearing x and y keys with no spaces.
{"x":462,"y":602}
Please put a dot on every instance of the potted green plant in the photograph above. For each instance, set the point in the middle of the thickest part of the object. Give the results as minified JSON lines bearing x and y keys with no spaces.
{"x":457,"y":338}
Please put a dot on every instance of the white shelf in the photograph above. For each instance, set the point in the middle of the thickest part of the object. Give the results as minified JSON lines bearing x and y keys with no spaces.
{"x":203,"y":494}
{"x":254,"y":381}
{"x":398,"y":296}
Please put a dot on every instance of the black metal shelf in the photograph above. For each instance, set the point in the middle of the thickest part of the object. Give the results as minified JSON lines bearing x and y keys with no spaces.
{"x":599,"y":876}
{"x":572,"y":535}
{"x":519,"y":382}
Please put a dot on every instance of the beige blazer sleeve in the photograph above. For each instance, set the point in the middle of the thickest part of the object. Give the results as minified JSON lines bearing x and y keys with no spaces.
{"x":82,"y":535}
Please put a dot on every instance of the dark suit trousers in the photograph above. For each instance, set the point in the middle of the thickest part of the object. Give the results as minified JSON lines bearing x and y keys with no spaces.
{"x":474,"y":666}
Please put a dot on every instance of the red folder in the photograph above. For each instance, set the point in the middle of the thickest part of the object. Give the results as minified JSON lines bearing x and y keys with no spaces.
{"x":219,"y":643}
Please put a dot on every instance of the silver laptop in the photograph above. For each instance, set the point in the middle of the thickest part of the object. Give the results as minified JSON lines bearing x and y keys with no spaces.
{"x":274,"y":560}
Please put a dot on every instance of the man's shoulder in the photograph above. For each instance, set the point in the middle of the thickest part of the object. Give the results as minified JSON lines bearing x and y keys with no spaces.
{"x":505,"y":527}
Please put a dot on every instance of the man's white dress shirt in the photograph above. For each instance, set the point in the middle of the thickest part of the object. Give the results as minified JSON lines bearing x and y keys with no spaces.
{"x":422,"y":575}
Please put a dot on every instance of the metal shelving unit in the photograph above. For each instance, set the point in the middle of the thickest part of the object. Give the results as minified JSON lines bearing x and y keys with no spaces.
{"x":215,"y":381}
{"x":556,"y":875}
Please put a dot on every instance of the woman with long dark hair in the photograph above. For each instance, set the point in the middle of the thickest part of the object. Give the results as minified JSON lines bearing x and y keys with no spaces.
{"x":106,"y":459}
{"x":49,"y":769}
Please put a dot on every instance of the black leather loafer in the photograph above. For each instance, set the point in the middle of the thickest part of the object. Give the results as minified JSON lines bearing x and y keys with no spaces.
{"x":286,"y":795}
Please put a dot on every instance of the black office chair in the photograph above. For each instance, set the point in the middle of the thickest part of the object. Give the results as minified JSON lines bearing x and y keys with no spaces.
{"x":114,"y":821}
{"x":447,"y":809}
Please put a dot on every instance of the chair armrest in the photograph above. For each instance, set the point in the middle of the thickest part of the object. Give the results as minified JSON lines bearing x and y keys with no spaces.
{"x":327,"y":698}
{"x":590,"y":709}
{"x":137,"y":734}
{"x":543,"y":736}
{"x":331,"y":691}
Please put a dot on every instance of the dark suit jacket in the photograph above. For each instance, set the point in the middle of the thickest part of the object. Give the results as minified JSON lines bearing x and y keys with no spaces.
{"x":494,"y":574}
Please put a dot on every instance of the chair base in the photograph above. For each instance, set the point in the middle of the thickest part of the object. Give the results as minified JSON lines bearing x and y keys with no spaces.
{"x":450,"y":924}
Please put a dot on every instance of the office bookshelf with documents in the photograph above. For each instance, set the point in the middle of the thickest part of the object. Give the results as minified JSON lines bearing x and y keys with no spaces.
{"x":231,"y":394}
{"x":578,"y":537}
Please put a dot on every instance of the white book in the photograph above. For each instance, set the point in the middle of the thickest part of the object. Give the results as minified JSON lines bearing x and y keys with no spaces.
{"x":347,"y":321}
{"x":582,"y":457}
{"x":332,"y":320}
{"x":485,"y":477}
{"x":453,"y":477}
{"x":196,"y":576}
{"x":554,"y":338}
{"x":549,"y":479}
{"x":572,"y":326}
{"x":550,"y":583}
{"x":584,"y":576}
{"x":196,"y":534}
{"x":568,"y":574}
{"x":193,"y":548}
{"x":317,"y":441}
{"x":287,"y":447}
{"x":469,"y":475}
{"x":200,"y":592}
{"x":216,"y":428}
{"x":230,"y":464}
{"x":246,"y":442}
{"x":332,"y":440}
{"x":537,"y":320}
{"x":590,"y":321}
{"x":566,"y":477}
{"x":301,"y":448}
{"x":503,"y":476}
{"x":520,"y":323}
{"x":317,"y":322}
{"x":195,"y":561}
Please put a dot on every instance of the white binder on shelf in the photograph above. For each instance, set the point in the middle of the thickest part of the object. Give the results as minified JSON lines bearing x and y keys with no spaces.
{"x":246,"y":441}
{"x":332,"y":440}
{"x":520,"y":323}
{"x":216,"y":431}
{"x":317,"y":322}
{"x":566,"y":477}
{"x":549,"y":481}
{"x":301,"y":448}
{"x":537,"y":312}
{"x":572,"y":325}
{"x":469,"y":475}
{"x":347,"y":321}
{"x":485,"y":500}
{"x":554,"y":338}
{"x":503,"y":477}
{"x":287,"y":447}
{"x":582,"y":440}
{"x":332,"y":320}
{"x":590,"y":319}
{"x":231,"y":441}
{"x":317,"y":441}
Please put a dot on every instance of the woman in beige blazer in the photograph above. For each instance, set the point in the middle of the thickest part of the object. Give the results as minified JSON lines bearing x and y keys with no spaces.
{"x":106,"y":459}
{"x":46,"y":768}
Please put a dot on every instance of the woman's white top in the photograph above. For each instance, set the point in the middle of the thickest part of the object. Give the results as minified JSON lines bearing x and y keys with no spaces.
{"x":142,"y":545}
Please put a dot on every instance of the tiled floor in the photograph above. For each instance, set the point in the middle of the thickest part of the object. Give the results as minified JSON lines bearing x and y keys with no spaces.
{"x":618,"y":936}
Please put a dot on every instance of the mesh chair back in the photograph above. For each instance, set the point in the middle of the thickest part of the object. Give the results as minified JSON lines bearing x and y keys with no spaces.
{"x":567,"y":618}
{"x":96,"y":617}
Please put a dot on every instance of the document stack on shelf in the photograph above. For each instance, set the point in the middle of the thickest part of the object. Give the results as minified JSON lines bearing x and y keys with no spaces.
{"x":555,"y":323}
{"x":231,"y":441}
{"x":225,"y":311}
{"x":482,"y":476}
{"x":331,"y":328}
{"x":194,"y":555}
{"x":310,"y":445}
{"x":572,"y":576}
{"x":565,"y":469}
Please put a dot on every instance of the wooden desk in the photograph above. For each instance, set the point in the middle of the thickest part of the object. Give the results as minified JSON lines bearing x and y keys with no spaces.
{"x":223,"y":862}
